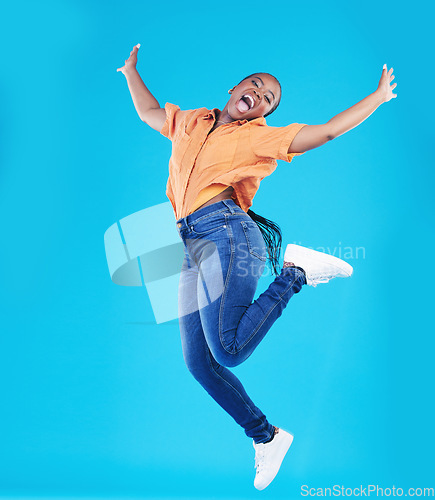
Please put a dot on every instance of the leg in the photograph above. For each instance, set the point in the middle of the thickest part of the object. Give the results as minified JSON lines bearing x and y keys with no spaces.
{"x":222,"y":385}
{"x":231,"y":262}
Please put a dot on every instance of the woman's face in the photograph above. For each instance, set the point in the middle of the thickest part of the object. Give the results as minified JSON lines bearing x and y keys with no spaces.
{"x":253,"y":97}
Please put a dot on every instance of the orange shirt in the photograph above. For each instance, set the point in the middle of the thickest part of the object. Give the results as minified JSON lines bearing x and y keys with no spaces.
{"x":238,"y":154}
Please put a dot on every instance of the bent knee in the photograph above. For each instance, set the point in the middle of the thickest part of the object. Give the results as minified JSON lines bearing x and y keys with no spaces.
{"x":227,"y":358}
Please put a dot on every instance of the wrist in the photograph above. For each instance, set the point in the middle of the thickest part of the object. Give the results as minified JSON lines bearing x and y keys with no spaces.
{"x":130,"y":71}
{"x":380,"y":99}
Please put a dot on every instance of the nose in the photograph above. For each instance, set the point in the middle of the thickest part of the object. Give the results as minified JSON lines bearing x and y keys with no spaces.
{"x":259,"y":94}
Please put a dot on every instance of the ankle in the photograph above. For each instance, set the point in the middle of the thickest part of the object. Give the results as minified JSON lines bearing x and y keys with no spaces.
{"x":273,"y":435}
{"x":288,"y":264}
{"x":292,"y":264}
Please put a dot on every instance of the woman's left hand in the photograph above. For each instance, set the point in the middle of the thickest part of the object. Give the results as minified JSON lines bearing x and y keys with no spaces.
{"x":384,"y":89}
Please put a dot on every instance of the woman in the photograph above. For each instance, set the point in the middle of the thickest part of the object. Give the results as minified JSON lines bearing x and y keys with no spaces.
{"x":218,"y":160}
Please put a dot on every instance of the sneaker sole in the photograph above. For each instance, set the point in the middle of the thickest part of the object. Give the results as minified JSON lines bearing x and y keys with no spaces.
{"x":294,"y":251}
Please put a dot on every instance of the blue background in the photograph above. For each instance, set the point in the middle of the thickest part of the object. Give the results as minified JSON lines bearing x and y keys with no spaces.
{"x":96,"y":398}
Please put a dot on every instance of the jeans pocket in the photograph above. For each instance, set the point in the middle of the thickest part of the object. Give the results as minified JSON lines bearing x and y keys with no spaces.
{"x":209,"y":224}
{"x":254,"y":239}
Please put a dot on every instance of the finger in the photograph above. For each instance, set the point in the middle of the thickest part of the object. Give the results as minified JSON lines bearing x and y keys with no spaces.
{"x":392,"y":77}
{"x":393,"y":86}
{"x":391,"y":70}
{"x":385,"y":67}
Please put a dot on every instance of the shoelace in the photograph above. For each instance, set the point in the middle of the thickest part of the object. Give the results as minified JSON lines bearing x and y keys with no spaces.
{"x":259,"y":459}
{"x":321,"y":279}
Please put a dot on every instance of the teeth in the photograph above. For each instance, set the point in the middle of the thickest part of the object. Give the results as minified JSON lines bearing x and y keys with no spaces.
{"x":250,"y":98}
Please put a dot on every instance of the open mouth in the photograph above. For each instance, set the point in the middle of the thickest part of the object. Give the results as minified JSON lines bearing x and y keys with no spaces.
{"x":245,"y":103}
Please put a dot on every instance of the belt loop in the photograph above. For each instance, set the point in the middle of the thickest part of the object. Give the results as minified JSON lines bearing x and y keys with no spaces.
{"x":230,"y":206}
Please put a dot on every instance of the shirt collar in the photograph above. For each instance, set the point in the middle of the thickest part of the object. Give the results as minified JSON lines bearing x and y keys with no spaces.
{"x":213,"y":112}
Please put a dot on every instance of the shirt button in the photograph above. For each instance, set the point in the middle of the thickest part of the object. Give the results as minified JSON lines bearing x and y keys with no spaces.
{"x":179,"y":224}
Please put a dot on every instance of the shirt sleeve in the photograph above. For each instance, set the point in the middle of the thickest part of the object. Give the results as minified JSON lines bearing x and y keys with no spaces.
{"x":175,"y":118}
{"x":274,"y":142}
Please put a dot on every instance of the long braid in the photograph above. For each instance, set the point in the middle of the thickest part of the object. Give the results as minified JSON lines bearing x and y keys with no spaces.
{"x":272,"y":236}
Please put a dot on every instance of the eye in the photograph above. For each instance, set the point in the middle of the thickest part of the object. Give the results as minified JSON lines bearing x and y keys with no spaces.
{"x":256,"y":84}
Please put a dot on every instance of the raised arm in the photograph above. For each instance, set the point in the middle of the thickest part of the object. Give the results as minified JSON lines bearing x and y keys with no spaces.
{"x":146,"y":104}
{"x":313,"y":136}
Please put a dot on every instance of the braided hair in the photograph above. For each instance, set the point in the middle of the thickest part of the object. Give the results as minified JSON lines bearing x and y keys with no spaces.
{"x":270,"y":230}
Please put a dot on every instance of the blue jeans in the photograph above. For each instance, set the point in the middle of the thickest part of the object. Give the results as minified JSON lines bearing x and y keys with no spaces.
{"x":220,"y":324}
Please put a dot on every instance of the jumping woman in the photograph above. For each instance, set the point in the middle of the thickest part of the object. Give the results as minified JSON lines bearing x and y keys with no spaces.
{"x":218,"y":160}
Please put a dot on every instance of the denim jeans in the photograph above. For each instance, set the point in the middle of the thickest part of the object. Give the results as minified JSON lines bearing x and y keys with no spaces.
{"x":220,"y":324}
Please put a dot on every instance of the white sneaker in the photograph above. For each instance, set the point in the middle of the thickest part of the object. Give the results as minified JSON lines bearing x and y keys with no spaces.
{"x":319,"y":267}
{"x":269,"y":456}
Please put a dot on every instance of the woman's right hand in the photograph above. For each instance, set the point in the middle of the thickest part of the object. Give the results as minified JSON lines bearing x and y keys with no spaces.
{"x":131,"y":62}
